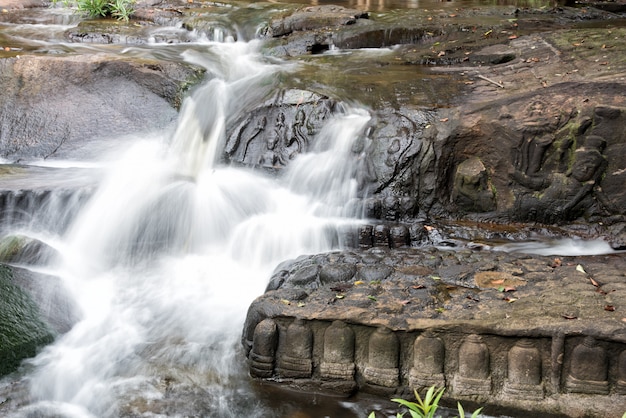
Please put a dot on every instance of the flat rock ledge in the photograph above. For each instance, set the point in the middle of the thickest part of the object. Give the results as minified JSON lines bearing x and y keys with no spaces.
{"x":508,"y":331}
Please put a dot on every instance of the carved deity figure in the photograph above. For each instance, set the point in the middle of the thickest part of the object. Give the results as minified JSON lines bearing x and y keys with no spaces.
{"x":562,"y":196}
{"x":296,"y":136}
{"x":272,"y":156}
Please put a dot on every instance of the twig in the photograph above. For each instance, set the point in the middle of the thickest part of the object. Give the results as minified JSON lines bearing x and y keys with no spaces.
{"x":490,"y":80}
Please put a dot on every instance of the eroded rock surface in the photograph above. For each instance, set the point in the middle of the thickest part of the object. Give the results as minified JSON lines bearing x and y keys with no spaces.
{"x":519,"y":331}
{"x":53,"y":105}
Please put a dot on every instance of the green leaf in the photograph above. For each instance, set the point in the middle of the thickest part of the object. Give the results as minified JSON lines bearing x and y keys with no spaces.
{"x":476,"y":413}
{"x":370,"y":297}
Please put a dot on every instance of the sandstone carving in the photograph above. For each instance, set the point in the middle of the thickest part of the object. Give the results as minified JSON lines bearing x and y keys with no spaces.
{"x":620,"y":386}
{"x":263,"y":351}
{"x":338,"y":360}
{"x":473,"y":376}
{"x":382,"y":360}
{"x":428,"y":362}
{"x":295,"y":359}
{"x":524,"y":371}
{"x":588,"y":372}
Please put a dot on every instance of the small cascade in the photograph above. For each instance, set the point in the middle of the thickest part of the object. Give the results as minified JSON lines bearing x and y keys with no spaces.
{"x":172,"y":247}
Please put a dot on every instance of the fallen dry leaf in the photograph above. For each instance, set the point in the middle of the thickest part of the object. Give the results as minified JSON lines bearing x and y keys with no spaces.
{"x":443,"y":120}
{"x":568,"y":316}
{"x":609,"y":308}
{"x":497,"y":281}
{"x":419,"y":286}
{"x":593,"y":282}
{"x":405,"y":302}
{"x":556,"y":263}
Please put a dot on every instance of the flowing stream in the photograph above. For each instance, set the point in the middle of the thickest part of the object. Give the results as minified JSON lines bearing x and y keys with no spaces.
{"x":163,"y":261}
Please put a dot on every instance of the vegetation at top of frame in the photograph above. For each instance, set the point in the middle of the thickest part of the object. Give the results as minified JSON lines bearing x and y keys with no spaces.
{"x":119,"y":9}
{"x":427,"y":407}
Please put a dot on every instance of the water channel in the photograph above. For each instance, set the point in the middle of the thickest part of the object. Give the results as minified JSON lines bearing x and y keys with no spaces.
{"x":165,"y":257}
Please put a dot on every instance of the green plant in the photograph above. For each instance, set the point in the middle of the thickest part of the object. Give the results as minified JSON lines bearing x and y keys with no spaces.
{"x":120,"y":9}
{"x":476,"y":413}
{"x":423,"y":408}
{"x":427,"y":407}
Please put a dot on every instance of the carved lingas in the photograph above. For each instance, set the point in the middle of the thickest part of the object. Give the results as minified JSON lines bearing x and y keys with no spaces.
{"x":389,"y":361}
{"x":524,"y":371}
{"x":621,"y":383}
{"x":428,"y":362}
{"x":382,"y":360}
{"x":588,"y":371}
{"x":264,"y":349}
{"x":296,"y":357}
{"x":473,"y":377}
{"x":338,"y":362}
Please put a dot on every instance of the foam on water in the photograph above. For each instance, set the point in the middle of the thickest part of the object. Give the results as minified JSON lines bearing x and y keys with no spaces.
{"x":165,"y":258}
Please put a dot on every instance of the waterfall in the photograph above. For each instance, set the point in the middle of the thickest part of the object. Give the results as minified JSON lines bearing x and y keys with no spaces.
{"x":171,"y":249}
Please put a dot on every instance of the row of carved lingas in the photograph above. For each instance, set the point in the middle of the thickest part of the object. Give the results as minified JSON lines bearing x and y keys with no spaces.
{"x":588,"y":372}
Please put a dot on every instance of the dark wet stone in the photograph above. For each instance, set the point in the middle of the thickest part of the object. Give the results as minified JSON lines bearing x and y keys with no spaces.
{"x":335,"y":273}
{"x":22,"y":326}
{"x":374,"y":273}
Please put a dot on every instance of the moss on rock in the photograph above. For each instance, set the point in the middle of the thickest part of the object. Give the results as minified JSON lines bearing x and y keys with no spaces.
{"x":22,"y":331}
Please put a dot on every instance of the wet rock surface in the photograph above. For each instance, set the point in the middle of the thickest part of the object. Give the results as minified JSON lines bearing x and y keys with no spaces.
{"x":23,"y":328}
{"x":505,"y":115}
{"x":508,"y":329}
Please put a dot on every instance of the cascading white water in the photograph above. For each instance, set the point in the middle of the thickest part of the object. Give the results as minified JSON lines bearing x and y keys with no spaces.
{"x":166,"y":257}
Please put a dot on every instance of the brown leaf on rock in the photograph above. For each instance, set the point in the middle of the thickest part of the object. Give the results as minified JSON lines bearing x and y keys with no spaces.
{"x":593,"y":282}
{"x":568,"y":316}
{"x":556,"y":263}
{"x":609,"y":308}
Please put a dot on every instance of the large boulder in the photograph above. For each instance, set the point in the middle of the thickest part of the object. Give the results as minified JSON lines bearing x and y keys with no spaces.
{"x":55,"y":105}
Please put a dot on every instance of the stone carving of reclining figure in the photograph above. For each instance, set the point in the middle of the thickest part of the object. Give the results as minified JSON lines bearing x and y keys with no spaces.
{"x":563,"y":196}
